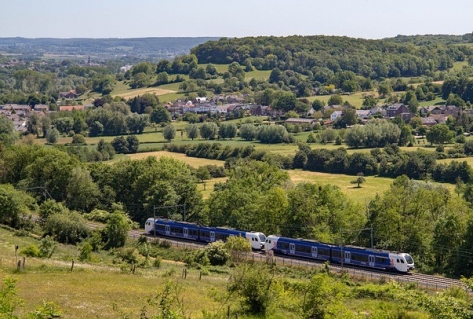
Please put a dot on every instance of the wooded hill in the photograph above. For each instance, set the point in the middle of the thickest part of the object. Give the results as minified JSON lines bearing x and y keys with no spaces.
{"x":318,"y":56}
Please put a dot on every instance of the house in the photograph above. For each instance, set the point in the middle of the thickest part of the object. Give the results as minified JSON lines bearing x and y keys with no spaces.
{"x":335,"y":115}
{"x":396,"y":109}
{"x":363,"y":114}
{"x":41,"y":108}
{"x":68,"y":95}
{"x":428,"y":121}
{"x":19,"y":126}
{"x":222,"y":109}
{"x":378,"y":110}
{"x":200,"y":99}
{"x":439,"y":118}
{"x":452,"y":110}
{"x":406,"y":117}
{"x":299,"y":121}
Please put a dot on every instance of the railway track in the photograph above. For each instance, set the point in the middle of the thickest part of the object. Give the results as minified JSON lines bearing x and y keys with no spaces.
{"x":421,"y":280}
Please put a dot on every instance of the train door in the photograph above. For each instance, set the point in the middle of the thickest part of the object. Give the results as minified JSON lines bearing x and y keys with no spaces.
{"x":185,"y":232}
{"x":167,"y":229}
{"x":347,"y":256}
{"x":314,"y":251}
{"x":292,"y":249}
{"x":371,"y":260}
{"x":212,"y":236}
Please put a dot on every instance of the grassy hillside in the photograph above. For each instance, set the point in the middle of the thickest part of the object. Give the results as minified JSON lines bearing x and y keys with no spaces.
{"x":102,"y":288}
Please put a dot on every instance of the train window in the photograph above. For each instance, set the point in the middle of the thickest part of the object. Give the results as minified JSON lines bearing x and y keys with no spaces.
{"x":323,"y":252}
{"x":361,"y":258}
{"x":402,"y":261}
{"x":380,"y":260}
{"x":336,"y":253}
{"x":398,"y":260}
{"x":303,"y":249}
{"x":284,"y":245}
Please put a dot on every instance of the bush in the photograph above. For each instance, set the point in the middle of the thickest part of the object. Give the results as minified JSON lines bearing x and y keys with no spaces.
{"x":47,"y":246}
{"x":67,"y":227}
{"x":85,"y":251}
{"x":30,"y":251}
{"x":157,"y":262}
{"x":217,"y":253}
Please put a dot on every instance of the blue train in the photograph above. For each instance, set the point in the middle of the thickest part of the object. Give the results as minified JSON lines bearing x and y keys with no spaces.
{"x":190,"y":231}
{"x":352,"y":255}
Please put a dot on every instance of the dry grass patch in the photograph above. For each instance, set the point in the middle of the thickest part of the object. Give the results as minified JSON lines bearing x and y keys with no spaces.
{"x":192,"y":161}
{"x":133,"y":93}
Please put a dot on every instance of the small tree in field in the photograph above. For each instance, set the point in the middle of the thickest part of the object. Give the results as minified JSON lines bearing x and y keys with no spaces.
{"x":359,"y":180}
{"x":169,"y":132}
{"x":237,"y":247}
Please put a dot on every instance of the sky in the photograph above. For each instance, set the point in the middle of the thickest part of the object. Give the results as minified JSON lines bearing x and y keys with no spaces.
{"x":369,"y":19}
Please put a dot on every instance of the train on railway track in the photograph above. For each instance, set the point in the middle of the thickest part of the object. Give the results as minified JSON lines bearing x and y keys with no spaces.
{"x":348,"y":254}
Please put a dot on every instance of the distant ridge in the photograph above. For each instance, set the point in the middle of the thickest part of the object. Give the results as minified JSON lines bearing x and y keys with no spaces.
{"x":150,"y":47}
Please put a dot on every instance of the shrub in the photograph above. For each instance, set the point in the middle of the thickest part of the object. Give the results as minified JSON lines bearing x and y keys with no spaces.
{"x":30,"y":251}
{"x":47,"y":246}
{"x":85,"y":251}
{"x":217,"y":253}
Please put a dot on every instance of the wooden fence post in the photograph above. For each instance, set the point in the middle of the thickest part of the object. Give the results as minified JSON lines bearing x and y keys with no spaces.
{"x":72,"y":265}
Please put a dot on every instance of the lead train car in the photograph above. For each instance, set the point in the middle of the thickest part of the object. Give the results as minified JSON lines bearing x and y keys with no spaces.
{"x":172,"y":228}
{"x":352,"y":255}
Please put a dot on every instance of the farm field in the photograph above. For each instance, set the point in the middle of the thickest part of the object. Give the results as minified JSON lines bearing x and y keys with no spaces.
{"x":373,"y":185}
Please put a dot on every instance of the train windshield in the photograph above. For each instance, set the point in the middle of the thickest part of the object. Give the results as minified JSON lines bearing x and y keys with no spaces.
{"x":262,"y":237}
{"x":408,"y":259}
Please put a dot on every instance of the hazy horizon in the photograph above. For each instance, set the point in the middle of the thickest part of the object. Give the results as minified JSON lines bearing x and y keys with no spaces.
{"x":115,"y":19}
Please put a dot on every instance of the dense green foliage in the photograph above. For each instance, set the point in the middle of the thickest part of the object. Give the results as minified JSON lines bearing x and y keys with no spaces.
{"x":319,"y":54}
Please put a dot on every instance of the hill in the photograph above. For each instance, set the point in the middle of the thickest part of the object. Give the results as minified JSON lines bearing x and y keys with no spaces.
{"x":144,"y":48}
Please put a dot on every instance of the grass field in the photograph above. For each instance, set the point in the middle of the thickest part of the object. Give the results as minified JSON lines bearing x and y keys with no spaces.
{"x":363,"y":195}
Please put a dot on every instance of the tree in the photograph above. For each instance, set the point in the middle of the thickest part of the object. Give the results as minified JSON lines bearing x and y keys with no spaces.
{"x":335,"y":100}
{"x":405,"y":136}
{"x":7,"y":132}
{"x":227,"y":130}
{"x":67,"y":227}
{"x":209,"y":130}
{"x":252,"y":283}
{"x":202,"y":173}
{"x":169,"y":132}
{"x":192,"y":131}
{"x":384,"y":89}
{"x":133,"y":144}
{"x":238,"y":247}
{"x":160,"y":115}
{"x":52,"y":136}
{"x":120,"y":145}
{"x":82,"y":193}
{"x":217,"y":253}
{"x":439,"y":134}
{"x":78,"y":139}
{"x":359,"y":180}
{"x":317,"y":105}
{"x":348,"y":118}
{"x":248,"y":131}
{"x":15,"y":205}
{"x":136,"y":123}
{"x":106,"y":149}
{"x":116,"y":230}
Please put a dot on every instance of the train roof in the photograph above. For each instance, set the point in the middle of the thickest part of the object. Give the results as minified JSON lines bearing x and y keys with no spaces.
{"x":374,"y":250}
{"x":305,"y":241}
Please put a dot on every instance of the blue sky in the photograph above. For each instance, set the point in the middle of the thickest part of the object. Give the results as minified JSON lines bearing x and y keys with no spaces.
{"x":370,"y":19}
